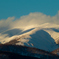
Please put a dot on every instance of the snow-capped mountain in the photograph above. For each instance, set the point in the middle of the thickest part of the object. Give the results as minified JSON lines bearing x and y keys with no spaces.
{"x":45,"y":36}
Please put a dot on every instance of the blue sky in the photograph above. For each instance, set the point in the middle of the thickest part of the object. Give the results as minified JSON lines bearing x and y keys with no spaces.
{"x":18,"y":8}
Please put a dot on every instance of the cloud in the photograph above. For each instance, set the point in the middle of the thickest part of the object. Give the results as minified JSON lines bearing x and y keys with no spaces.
{"x":5,"y":24}
{"x":35,"y":19}
{"x":26,"y":22}
{"x":31,"y":20}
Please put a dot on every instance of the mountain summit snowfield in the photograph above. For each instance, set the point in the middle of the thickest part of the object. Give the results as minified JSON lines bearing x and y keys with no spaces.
{"x":33,"y":30}
{"x":44,"y":36}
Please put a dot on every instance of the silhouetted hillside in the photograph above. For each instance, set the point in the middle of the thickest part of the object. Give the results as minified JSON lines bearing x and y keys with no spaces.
{"x":56,"y":51}
{"x":28,"y":51}
{"x":10,"y":55}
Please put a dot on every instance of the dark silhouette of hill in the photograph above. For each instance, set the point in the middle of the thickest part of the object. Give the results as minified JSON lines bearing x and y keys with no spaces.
{"x":10,"y":55}
{"x":26,"y":52}
{"x":56,"y":51}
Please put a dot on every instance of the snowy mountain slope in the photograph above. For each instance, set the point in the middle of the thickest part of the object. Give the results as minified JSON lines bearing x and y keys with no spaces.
{"x":54,"y":34}
{"x":42,"y":40}
{"x":12,"y":32}
{"x":43,"y":36}
{"x":36,"y":40}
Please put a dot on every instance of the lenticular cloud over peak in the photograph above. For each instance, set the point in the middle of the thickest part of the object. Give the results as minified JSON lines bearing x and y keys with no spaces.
{"x":28,"y":26}
{"x":31,"y":20}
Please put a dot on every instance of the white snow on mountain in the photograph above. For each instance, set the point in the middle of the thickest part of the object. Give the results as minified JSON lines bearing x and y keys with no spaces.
{"x":34,"y":30}
{"x":42,"y":37}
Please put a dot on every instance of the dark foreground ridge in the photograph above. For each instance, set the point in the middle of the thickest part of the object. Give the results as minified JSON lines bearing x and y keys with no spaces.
{"x":56,"y":51}
{"x":24,"y":52}
{"x":10,"y":55}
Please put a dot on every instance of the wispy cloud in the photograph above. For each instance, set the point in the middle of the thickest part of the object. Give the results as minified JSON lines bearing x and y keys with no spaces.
{"x":32,"y":19}
{"x":26,"y":22}
{"x":5,"y":24}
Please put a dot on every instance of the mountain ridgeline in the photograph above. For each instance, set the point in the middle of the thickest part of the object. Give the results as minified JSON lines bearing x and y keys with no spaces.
{"x":40,"y":42}
{"x":28,"y":51}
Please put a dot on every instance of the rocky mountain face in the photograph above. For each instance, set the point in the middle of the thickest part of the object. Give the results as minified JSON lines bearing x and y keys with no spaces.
{"x":56,"y":51}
